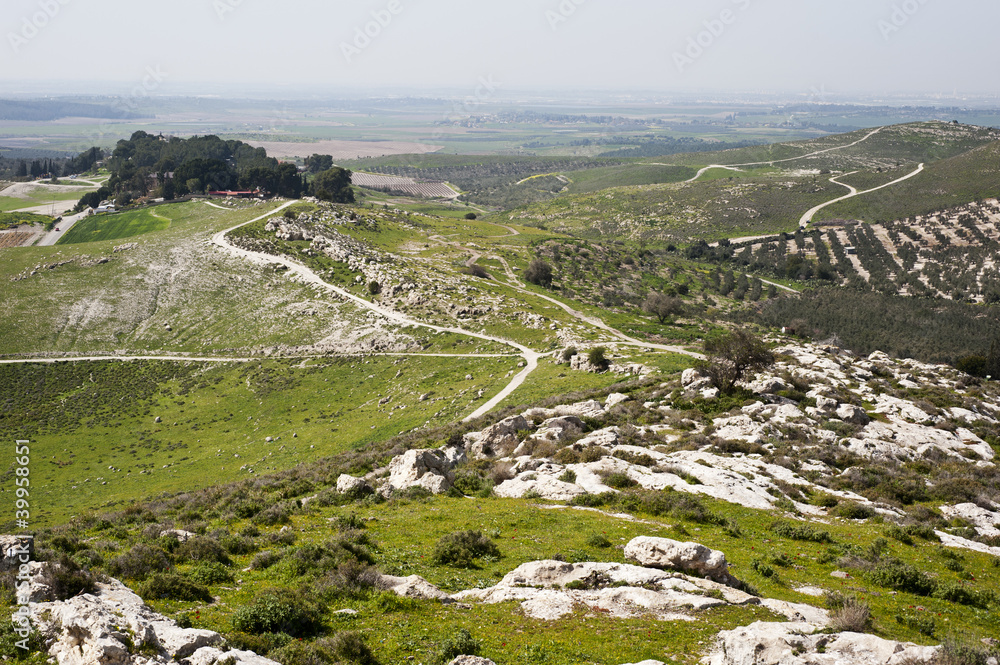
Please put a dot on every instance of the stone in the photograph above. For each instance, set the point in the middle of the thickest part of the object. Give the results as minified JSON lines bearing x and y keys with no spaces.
{"x":558,"y":429}
{"x":15,"y":551}
{"x":102,"y":628}
{"x":826,"y":404}
{"x":800,"y":643}
{"x":547,"y":487}
{"x":413,"y":586}
{"x":181,"y":535}
{"x":854,"y":415}
{"x":767,"y":385}
{"x":430,"y":469}
{"x":500,"y":438}
{"x":347,"y":484}
{"x":688,"y":557}
{"x":691,"y":376}
{"x":471,"y":660}
{"x":212,"y":656}
{"x":614,"y":399}
{"x":985,"y":521}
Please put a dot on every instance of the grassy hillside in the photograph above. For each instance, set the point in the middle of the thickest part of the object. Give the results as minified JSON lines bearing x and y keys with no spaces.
{"x":123,"y":225}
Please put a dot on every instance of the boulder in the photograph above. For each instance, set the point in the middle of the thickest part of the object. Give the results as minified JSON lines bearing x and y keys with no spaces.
{"x":690,"y":376}
{"x":558,"y":429}
{"x":798,"y":644}
{"x":104,"y":627}
{"x":826,"y":404}
{"x":15,"y":551}
{"x":767,"y":385}
{"x":430,"y":469}
{"x":500,"y":438}
{"x":352,"y":486}
{"x":614,"y":399}
{"x":213,"y":656}
{"x":413,"y":586}
{"x":181,"y":535}
{"x":471,"y":660}
{"x":688,"y":557}
{"x":854,"y":415}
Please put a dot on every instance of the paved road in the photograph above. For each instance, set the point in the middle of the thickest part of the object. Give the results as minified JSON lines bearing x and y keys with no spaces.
{"x":53,"y":236}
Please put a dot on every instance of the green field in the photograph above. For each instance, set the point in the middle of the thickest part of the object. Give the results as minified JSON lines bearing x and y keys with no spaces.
{"x":118,"y":225}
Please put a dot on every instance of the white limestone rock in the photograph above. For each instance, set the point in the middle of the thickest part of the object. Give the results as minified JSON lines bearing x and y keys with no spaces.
{"x":798,"y":644}
{"x":688,"y":557}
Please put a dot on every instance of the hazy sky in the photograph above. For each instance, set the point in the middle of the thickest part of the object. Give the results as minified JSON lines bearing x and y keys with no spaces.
{"x":803,"y":47}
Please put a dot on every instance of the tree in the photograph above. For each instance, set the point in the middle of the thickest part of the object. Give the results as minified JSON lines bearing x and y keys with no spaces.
{"x":319,"y":163}
{"x":662,"y":306}
{"x":598,"y":357}
{"x":333,"y":185}
{"x":539,"y":272}
{"x":470,"y":216}
{"x":731,"y":357}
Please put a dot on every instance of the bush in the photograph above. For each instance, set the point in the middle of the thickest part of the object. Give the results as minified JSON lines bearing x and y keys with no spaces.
{"x":597,"y":357}
{"x":539,"y":272}
{"x":956,"y":593}
{"x":619,"y":480}
{"x":470,"y":216}
{"x":848,"y":614}
{"x":171,"y":586}
{"x":239,"y":545}
{"x":598,"y":540}
{"x":264,"y":560}
{"x":460,"y":644}
{"x":139,"y":563}
{"x":342,"y":648}
{"x":894,"y":574}
{"x":351,"y":579}
{"x":261,"y":644}
{"x":800,"y":532}
{"x":461,"y":548}
{"x":374,"y":288}
{"x":854,"y":511}
{"x":201,"y":548}
{"x":733,"y":356}
{"x":923,"y":624}
{"x":211,"y":572}
{"x":279,"y":611}
{"x":67,"y":579}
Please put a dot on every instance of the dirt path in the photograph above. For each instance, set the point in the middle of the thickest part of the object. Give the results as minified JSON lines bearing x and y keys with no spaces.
{"x":306,"y":275}
{"x":732,"y":167}
{"x":808,"y":217}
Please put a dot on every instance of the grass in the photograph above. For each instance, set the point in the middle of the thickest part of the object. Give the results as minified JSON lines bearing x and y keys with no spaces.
{"x":119,"y":225}
{"x":79,"y":429}
{"x":11,"y":220}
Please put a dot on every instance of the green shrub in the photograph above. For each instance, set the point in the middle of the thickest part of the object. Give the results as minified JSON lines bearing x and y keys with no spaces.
{"x":824,"y":500}
{"x":963,"y":595}
{"x":10,"y":652}
{"x":67,"y":579}
{"x":139,"y":563}
{"x":171,"y":586}
{"x":853,"y":511}
{"x":848,"y":614}
{"x":598,"y":357}
{"x":461,"y":548}
{"x":894,"y":574}
{"x":460,"y":644}
{"x":346,"y":648}
{"x":201,"y":548}
{"x":899,"y":534}
{"x":800,"y":532}
{"x":211,"y":572}
{"x":923,"y":624}
{"x":264,"y":560}
{"x":239,"y":545}
{"x":279,"y":611}
{"x":619,"y":480}
{"x":598,"y":540}
{"x":568,"y":476}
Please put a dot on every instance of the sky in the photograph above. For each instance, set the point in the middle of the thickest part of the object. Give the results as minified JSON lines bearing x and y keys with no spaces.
{"x":806,"y":48}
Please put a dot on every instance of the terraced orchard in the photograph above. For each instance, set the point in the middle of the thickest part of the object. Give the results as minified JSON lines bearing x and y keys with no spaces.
{"x":950,"y":254}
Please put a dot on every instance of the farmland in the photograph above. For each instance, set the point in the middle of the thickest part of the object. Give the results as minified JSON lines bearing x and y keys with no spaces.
{"x":406,"y":186}
{"x":118,"y":225}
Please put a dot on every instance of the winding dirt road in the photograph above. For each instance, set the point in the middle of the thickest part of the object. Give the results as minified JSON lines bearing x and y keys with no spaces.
{"x":808,"y":217}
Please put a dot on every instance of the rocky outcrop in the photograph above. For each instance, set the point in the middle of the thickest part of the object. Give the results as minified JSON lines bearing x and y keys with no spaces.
{"x":986,"y":522}
{"x":499,"y":439}
{"x":114,"y":627}
{"x":553,"y":589}
{"x":413,"y":586}
{"x":471,"y":660}
{"x":688,"y":557}
{"x":430,"y":469}
{"x":799,"y":644}
{"x":15,"y":551}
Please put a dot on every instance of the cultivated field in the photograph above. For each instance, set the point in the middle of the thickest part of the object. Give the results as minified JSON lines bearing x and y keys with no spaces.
{"x":14,"y":238}
{"x":428,"y":190}
{"x":122,"y":225}
{"x":344,"y":150}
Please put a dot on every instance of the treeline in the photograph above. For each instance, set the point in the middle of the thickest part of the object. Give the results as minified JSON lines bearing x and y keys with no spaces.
{"x":46,"y":110}
{"x":671,"y":146}
{"x":24,"y":169}
{"x":930,"y":330}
